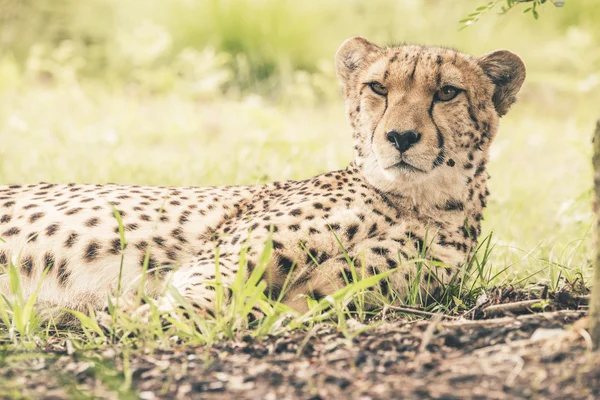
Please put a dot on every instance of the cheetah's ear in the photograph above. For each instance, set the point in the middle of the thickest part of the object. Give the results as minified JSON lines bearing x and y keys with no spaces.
{"x":507,"y":71}
{"x":351,"y":55}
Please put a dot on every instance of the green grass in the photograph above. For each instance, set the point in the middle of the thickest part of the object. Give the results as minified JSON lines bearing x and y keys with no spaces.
{"x":244,"y":92}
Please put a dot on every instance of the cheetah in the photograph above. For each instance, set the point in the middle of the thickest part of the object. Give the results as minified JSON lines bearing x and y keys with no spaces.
{"x":422,"y":118}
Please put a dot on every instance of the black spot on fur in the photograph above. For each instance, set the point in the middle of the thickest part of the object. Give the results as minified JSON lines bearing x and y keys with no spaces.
{"x":439,"y":159}
{"x":382,"y":251}
{"x":285,"y":264}
{"x":63,"y":273}
{"x":177,"y":233}
{"x":294,"y":227}
{"x":480,"y":169}
{"x":323,"y":257}
{"x":71,"y":240}
{"x":171,"y":254}
{"x":49,"y":261}
{"x":35,"y":216}
{"x":391,"y":263}
{"x":27,"y":265}
{"x":183,"y":218}
{"x":91,"y":251}
{"x":318,"y":295}
{"x":454,"y":205}
{"x":12,"y":232}
{"x":346,"y":276}
{"x":131,"y":227}
{"x":385,"y":287}
{"x":90,"y":223}
{"x":159,"y":241}
{"x":351,"y":231}
{"x":372,"y":231}
{"x":52,"y":229}
{"x":5,"y":219}
{"x":153,"y":265}
{"x":311,"y":256}
{"x":115,"y":246}
{"x":419,"y":243}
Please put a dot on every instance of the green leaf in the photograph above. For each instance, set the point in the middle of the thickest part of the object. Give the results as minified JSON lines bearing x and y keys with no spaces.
{"x":87,"y":321}
{"x":117,"y":215}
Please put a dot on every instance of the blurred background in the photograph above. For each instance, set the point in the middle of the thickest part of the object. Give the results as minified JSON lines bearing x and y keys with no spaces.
{"x":215,"y":92}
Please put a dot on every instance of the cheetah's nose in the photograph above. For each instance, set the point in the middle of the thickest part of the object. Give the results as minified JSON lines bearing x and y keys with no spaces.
{"x":403,"y":140}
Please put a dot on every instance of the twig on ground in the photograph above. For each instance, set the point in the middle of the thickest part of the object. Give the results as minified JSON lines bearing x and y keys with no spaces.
{"x":517,"y":307}
{"x":417,"y":311}
{"x":507,"y":320}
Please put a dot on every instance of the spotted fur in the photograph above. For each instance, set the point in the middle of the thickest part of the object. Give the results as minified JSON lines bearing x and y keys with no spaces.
{"x":385,"y":208}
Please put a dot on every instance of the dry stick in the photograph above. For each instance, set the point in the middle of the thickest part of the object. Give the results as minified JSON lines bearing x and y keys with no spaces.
{"x":416,"y":311}
{"x":594,"y":322}
{"x":516,"y":307}
{"x":465,"y":323}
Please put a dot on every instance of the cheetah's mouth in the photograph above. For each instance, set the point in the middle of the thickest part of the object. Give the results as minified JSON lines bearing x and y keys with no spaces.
{"x":404,"y":166}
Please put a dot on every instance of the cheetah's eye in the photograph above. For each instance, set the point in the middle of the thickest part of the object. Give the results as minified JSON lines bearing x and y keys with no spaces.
{"x":378,"y":88}
{"x":447,"y":93}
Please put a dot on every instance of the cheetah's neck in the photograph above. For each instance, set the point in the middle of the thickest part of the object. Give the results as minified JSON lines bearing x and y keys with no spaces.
{"x":449,"y":202}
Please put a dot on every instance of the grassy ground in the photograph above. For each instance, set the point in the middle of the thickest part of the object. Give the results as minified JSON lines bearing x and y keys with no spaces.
{"x":243,"y":92}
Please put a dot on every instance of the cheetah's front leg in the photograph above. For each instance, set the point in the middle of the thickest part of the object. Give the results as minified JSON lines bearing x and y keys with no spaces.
{"x":196,"y":282}
{"x":372,"y":257}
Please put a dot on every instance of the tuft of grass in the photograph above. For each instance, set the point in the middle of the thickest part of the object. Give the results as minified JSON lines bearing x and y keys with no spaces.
{"x":17,"y":313}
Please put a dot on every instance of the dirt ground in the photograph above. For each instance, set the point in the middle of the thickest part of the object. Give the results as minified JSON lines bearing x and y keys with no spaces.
{"x":533,"y":355}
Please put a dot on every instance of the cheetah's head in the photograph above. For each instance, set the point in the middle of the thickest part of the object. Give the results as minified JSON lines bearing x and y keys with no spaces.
{"x":424,"y":116}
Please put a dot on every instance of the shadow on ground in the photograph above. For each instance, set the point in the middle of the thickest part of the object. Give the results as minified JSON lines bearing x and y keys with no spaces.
{"x":535,"y":355}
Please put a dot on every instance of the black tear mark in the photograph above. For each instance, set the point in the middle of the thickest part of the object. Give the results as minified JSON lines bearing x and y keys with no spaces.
{"x":377,"y":124}
{"x":440,"y":136}
{"x":439,"y":160}
{"x":472,"y":112}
